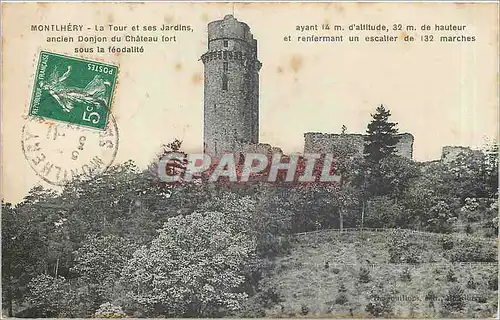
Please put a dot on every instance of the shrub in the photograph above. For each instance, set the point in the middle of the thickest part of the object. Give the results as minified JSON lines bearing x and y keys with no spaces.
{"x":108,"y":310}
{"x":380,"y":304}
{"x":406,"y":275}
{"x":447,"y":243}
{"x":466,"y":250}
{"x":342,"y":288}
{"x":304,"y":310}
{"x":450,"y":276}
{"x":471,"y":284}
{"x":430,"y":297}
{"x":341,"y":299}
{"x":364,"y":275}
{"x":493,"y":282}
{"x":404,"y":248}
{"x":49,"y":296}
{"x":468,"y":229}
{"x":481,"y":297}
{"x":454,"y":300}
{"x":383,"y":212}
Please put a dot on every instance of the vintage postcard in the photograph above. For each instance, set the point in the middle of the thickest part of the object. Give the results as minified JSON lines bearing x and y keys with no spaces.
{"x":249,"y":160}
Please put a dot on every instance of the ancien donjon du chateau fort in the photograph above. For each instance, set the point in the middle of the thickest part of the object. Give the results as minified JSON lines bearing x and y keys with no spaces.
{"x":231,"y":97}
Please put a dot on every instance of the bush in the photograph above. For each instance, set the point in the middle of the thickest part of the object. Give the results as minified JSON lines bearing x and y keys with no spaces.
{"x":380,"y":304}
{"x":250,"y":308}
{"x":481,"y":297}
{"x":471,"y":284}
{"x":108,"y":310}
{"x":364,"y":275}
{"x":450,"y":276}
{"x":447,"y":243}
{"x":454,"y":300}
{"x":467,"y":250}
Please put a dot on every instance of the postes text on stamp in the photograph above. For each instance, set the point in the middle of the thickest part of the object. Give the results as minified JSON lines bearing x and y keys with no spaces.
{"x":73,"y":90}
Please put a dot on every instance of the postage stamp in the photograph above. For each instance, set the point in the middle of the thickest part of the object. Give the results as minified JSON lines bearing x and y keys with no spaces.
{"x":73,"y":90}
{"x":58,"y":152}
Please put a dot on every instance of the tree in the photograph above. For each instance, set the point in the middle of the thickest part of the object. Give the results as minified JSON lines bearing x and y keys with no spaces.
{"x":193,"y":268}
{"x":380,"y":145}
{"x":381,"y":138}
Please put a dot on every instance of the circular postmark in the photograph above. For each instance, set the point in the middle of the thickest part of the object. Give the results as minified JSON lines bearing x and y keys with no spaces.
{"x":58,"y":152}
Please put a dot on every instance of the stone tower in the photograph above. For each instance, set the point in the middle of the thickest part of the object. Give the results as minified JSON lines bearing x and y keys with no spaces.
{"x":231,"y":68}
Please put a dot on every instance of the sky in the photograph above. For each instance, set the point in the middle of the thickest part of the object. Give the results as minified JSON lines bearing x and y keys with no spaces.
{"x":442,"y":93}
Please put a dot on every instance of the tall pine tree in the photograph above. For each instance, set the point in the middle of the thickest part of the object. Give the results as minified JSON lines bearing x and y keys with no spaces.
{"x":381,"y":138}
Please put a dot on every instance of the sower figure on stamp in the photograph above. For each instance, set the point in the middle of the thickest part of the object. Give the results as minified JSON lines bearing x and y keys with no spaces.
{"x":94,"y":92}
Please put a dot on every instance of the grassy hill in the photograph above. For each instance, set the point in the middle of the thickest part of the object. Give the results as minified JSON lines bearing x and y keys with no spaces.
{"x":335,"y":274}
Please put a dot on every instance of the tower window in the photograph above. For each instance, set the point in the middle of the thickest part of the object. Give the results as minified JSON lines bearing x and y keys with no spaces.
{"x":224,"y":82}
{"x":224,"y":66}
{"x":225,"y":43}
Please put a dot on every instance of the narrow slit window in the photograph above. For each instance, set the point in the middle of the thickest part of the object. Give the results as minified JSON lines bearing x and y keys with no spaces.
{"x":225,"y":66}
{"x":224,"y":82}
{"x":225,"y":43}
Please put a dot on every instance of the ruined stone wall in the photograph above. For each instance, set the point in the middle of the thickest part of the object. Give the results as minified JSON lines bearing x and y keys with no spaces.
{"x":315,"y":142}
{"x":231,"y":96}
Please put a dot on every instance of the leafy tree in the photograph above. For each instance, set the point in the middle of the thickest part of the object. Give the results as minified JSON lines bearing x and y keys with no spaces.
{"x":100,"y":260}
{"x":406,"y":275}
{"x":381,"y":138}
{"x":50,"y":296}
{"x":34,"y":240}
{"x":383,"y":212}
{"x":193,"y":268}
{"x":454,"y":300}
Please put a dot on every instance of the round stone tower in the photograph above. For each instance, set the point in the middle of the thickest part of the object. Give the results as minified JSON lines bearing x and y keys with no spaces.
{"x":231,"y":107}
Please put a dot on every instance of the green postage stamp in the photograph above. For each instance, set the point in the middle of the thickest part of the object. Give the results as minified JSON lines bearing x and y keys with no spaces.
{"x":73,"y":90}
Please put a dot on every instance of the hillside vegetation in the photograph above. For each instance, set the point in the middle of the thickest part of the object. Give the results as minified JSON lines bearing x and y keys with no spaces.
{"x":335,"y":274}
